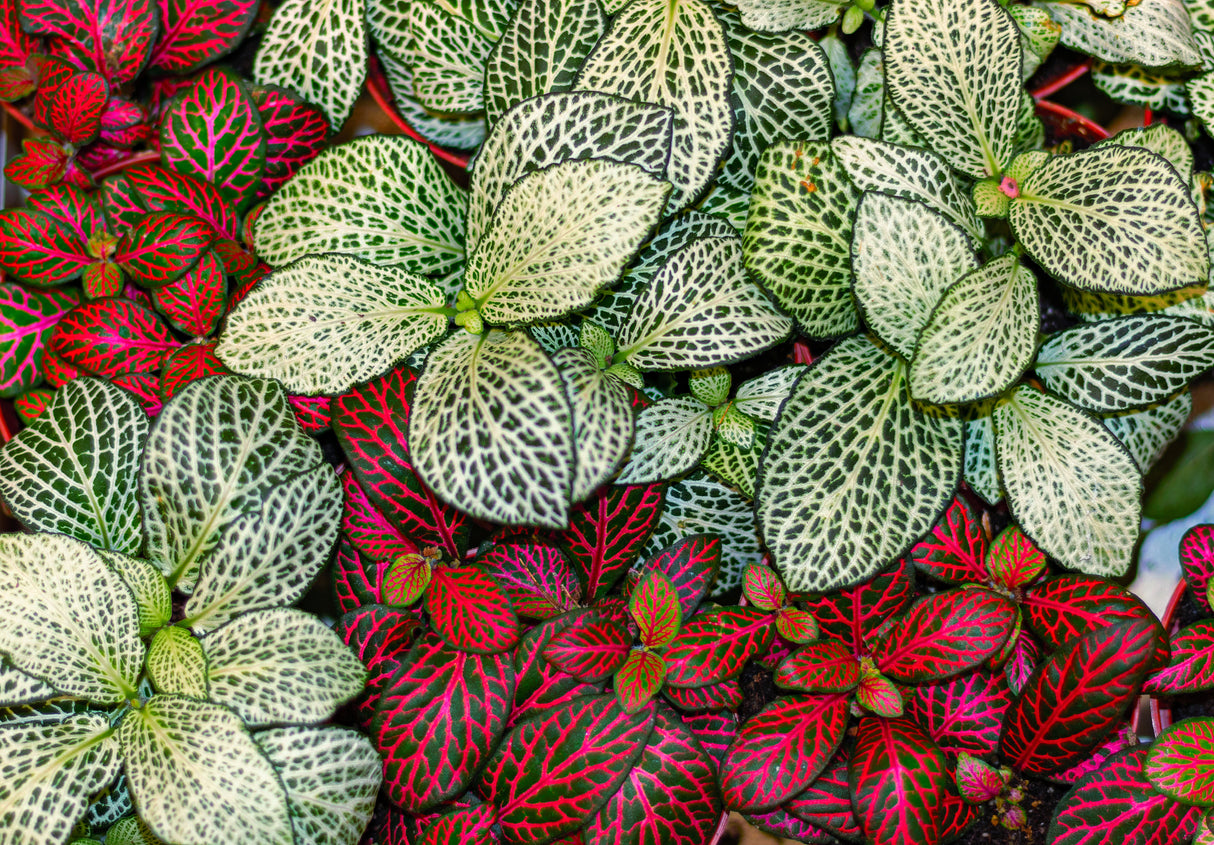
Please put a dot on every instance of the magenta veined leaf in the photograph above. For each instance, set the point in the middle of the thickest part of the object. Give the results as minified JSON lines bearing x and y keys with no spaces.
{"x":112,"y":37}
{"x":541,"y":685}
{"x":826,"y":803}
{"x":1191,"y":668}
{"x":123,"y":124}
{"x":295,"y":133}
{"x":819,"y":667}
{"x":608,"y":531}
{"x":311,"y":412}
{"x":591,"y":651}
{"x":407,"y":579}
{"x":162,"y":246}
{"x":1197,"y":561}
{"x":726,"y":695}
{"x":715,"y":645}
{"x":964,"y":713}
{"x":1180,"y":763}
{"x":74,"y":210}
{"x":16,"y":81}
{"x":36,"y":249}
{"x":955,"y":549}
{"x":41,"y":163}
{"x":69,"y":102}
{"x":639,"y":679}
{"x":763,"y":587}
{"x":113,"y":337}
{"x":654,"y":606}
{"x":358,"y":579}
{"x":715,"y":731}
{"x":27,"y":321}
{"x":1119,"y":740}
{"x":898,"y":776}
{"x":470,"y":610}
{"x":1022,"y":662}
{"x":956,"y":814}
{"x":541,"y":583}
{"x":122,"y":204}
{"x":691,"y":565}
{"x":1013,"y":561}
{"x":236,"y":260}
{"x":15,"y":46}
{"x":381,"y":637}
{"x":1069,"y":606}
{"x":1077,"y":697}
{"x":944,"y":634}
{"x":796,"y":625}
{"x":466,"y":826}
{"x":31,"y":404}
{"x":189,"y":363}
{"x":878,"y":694}
{"x":195,"y":303}
{"x":782,"y":824}
{"x":851,"y":616}
{"x":195,"y":32}
{"x":145,"y":387}
{"x":780,"y":751}
{"x":162,"y":189}
{"x":367,"y":527}
{"x":977,"y":780}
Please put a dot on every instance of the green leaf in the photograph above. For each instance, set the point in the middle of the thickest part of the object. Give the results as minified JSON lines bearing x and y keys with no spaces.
{"x":18,"y":688}
{"x":981,"y":468}
{"x":461,"y":131}
{"x":705,"y":506}
{"x":1160,"y":139}
{"x":131,"y":831}
{"x":779,"y":15}
{"x":1146,"y":434}
{"x":1128,"y":208}
{"x":1070,"y":485}
{"x":1038,"y":35}
{"x":710,"y":386}
{"x":491,"y":429}
{"x":672,"y":435}
{"x":1153,"y":33}
{"x":176,"y":663}
{"x":67,"y":618}
{"x":72,"y":471}
{"x":762,"y":396}
{"x":1159,"y":90}
{"x":147,"y":585}
{"x":981,"y":337}
{"x":736,"y":466}
{"x":197,"y":776}
{"x":602,"y":419}
{"x":841,"y":494}
{"x":869,"y":98}
{"x":450,"y":47}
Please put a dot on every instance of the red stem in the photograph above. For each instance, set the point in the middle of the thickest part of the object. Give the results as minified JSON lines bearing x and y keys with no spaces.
{"x":6,"y":433}
{"x":1095,"y":130}
{"x":379,"y":92}
{"x":1147,"y":117}
{"x":801,"y":353}
{"x":19,"y":116}
{"x":1062,"y":81}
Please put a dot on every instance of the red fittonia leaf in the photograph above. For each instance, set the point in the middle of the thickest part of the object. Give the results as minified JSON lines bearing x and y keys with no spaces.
{"x":367,"y":527}
{"x":878,"y":694}
{"x":1197,"y":561}
{"x":381,"y":637}
{"x":782,"y":824}
{"x":75,"y":211}
{"x":726,"y":695}
{"x":1022,"y":662}
{"x":41,"y":164}
{"x":469,"y":826}
{"x":295,"y":130}
{"x":1076,"y":697}
{"x":113,"y":337}
{"x":654,"y":606}
{"x":31,"y":404}
{"x":27,"y":321}
{"x":819,"y":667}
{"x":1191,"y":668}
{"x":826,"y":803}
{"x":944,"y":634}
{"x":608,"y":531}
{"x":1121,"y":739}
{"x":195,"y":303}
{"x":311,"y":412}
{"x":1063,"y":608}
{"x":715,"y":645}
{"x":123,"y":205}
{"x":195,"y":32}
{"x":852,"y":615}
{"x":407,"y":579}
{"x":15,"y":46}
{"x":1180,"y":763}
{"x":123,"y":123}
{"x":715,"y":731}
{"x":438,"y":718}
{"x":358,"y":579}
{"x":165,"y":190}
{"x":955,"y":550}
{"x":58,"y":371}
{"x":1013,"y":561}
{"x":541,"y":685}
{"x":956,"y":815}
{"x":591,"y":651}
{"x":796,"y":625}
{"x":898,"y":777}
{"x":541,"y":583}
{"x":470,"y":610}
{"x":187,"y":364}
{"x":556,"y":769}
{"x":235,"y":259}
{"x":36,"y":249}
{"x":965,"y":713}
{"x":102,"y":279}
{"x":111,"y":37}
{"x":780,"y":751}
{"x":977,"y":780}
{"x":639,"y":679}
{"x":145,"y":387}
{"x":162,"y":246}
{"x":763,"y":587}
{"x":691,"y":565}
{"x":69,"y":102}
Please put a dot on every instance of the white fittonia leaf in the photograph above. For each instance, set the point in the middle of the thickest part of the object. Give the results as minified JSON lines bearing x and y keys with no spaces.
{"x":671,"y":53}
{"x":491,"y":429}
{"x":1146,"y":434}
{"x":67,"y":618}
{"x":602,"y":419}
{"x":895,"y":129}
{"x":328,"y":322}
{"x":382,"y":198}
{"x":48,"y":772}
{"x":281,"y":665}
{"x":217,"y":448}
{"x":1153,"y":33}
{"x":17,"y":687}
{"x":1133,"y":217}
{"x":672,"y":436}
{"x":843,"y":72}
{"x":197,"y":776}
{"x":131,"y":830}
{"x":700,"y":310}
{"x":72,"y":471}
{"x":1160,"y":139}
{"x":176,"y":663}
{"x":854,"y":473}
{"x":1129,"y":362}
{"x":798,"y":236}
{"x":389,"y":30}
{"x":1038,"y":35}
{"x":981,"y":469}
{"x":1200,"y":92}
{"x":559,"y":236}
{"x":868,"y":99}
{"x":268,"y":557}
{"x":981,"y":337}
{"x":461,"y":131}
{"x":953,"y":69}
{"x":147,"y":585}
{"x":1070,"y":484}
{"x":450,"y":46}
{"x":904,"y":257}
{"x":780,"y":15}
{"x":319,"y":50}
{"x":1161,"y":90}
{"x":762,"y":396}
{"x":705,"y":506}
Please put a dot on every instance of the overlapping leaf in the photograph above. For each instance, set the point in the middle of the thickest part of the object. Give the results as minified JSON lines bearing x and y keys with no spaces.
{"x":603,"y":422}
{"x":691,"y":566}
{"x":36,"y":249}
{"x":963,"y":713}
{"x":1197,"y":561}
{"x":590,"y":652}
{"x":607,"y":533}
{"x":826,"y":803}
{"x":944,"y":634}
{"x":176,"y":663}
{"x":160,"y":189}
{"x":672,"y":435}
{"x":1069,"y":606}
{"x":196,"y":301}
{"x":539,"y":580}
{"x":898,"y":778}
{"x":1178,"y":764}
{"x":195,"y":32}
{"x":295,"y":133}
{"x":109,"y":37}
{"x":819,"y":667}
{"x":542,"y":685}
{"x":853,"y":615}
{"x":448,"y":46}
{"x":639,"y":679}
{"x":716,"y":644}
{"x":112,"y":337}
{"x":470,"y":610}
{"x":955,"y":549}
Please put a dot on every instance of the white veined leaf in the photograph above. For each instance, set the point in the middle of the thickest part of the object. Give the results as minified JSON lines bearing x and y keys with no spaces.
{"x":1030,"y":130}
{"x":491,"y":429}
{"x":1193,"y":302}
{"x":798,"y":236}
{"x":449,"y":52}
{"x":72,"y":471}
{"x":18,"y":688}
{"x":67,"y":618}
{"x":671,"y":53}
{"x":981,"y":337}
{"x":672,"y":435}
{"x":981,"y":469}
{"x":331,"y":775}
{"x":1112,"y":219}
{"x":147,"y":585}
{"x":216,"y":449}
{"x":319,"y":50}
{"x":727,"y":204}
{"x":1162,"y":90}
{"x":1152,"y":33}
{"x":111,"y":803}
{"x":1160,"y":139}
{"x":700,"y":310}
{"x":559,"y":236}
{"x":710,"y":386}
{"x":131,"y":831}
{"x":762,"y":396}
{"x":389,"y":29}
{"x":197,"y":776}
{"x":382,"y":198}
{"x":176,"y":663}
{"x":1200,"y":91}
{"x":868,"y":99}
{"x":904,"y":257}
{"x":1038,"y":35}
{"x":953,"y":68}
{"x":48,"y":772}
{"x":49,"y":712}
{"x":269,"y":557}
{"x":895,"y":129}
{"x":734,"y":465}
{"x":552,"y":336}
{"x":1129,"y":362}
{"x":842,"y":72}
{"x":1146,"y":434}
{"x":854,"y":472}
{"x":781,"y":15}
{"x":1070,"y":484}
{"x":460,"y":131}
{"x":281,"y":665}
{"x":547,"y":130}
{"x":602,"y":419}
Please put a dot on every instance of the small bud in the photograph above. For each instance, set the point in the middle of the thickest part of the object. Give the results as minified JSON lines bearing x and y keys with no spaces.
{"x":595,"y":339}
{"x":1009,"y":187}
{"x":852,"y":18}
{"x":464,"y":302}
{"x":989,"y":200}
{"x":470,"y":320}
{"x":628,"y":374}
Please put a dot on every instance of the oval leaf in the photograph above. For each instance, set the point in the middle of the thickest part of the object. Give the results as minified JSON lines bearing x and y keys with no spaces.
{"x":470,"y":610}
{"x":898,"y":778}
{"x":945,"y":634}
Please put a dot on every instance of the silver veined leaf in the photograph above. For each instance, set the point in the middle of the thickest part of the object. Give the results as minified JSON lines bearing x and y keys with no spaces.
{"x":1129,"y":362}
{"x":895,"y":129}
{"x":672,"y":435}
{"x":904,"y":257}
{"x":460,"y":131}
{"x":710,"y":386}
{"x":1070,"y":484}
{"x":131,"y":830}
{"x":72,"y":471}
{"x":1200,"y":90}
{"x":953,"y":69}
{"x":868,"y":99}
{"x":1146,"y":434}
{"x":1038,"y":35}
{"x":450,"y":44}
{"x":331,"y":776}
{"x":700,"y":310}
{"x":389,"y":30}
{"x":798,"y":236}
{"x":736,"y":466}
{"x":843,"y":72}
{"x":1030,"y":130}
{"x":1192,"y":302}
{"x":781,"y":15}
{"x":559,"y":236}
{"x":147,"y":585}
{"x":980,"y":338}
{"x":319,"y":50}
{"x":176,"y":663}
{"x":1160,"y":139}
{"x":671,"y":53}
{"x":854,"y":473}
{"x":1132,"y":215}
{"x":726,"y":204}
{"x":67,"y":618}
{"x":49,"y":772}
{"x":602,"y":419}
{"x":1152,"y":33}
{"x":217,"y":448}
{"x":110,"y":804}
{"x":382,"y":198}
{"x":1162,"y":90}
{"x":197,"y":776}
{"x":981,"y":469}
{"x":553,"y":336}
{"x":281,"y":665}
{"x":18,"y":688}
{"x":762,"y":396}
{"x":491,"y":429}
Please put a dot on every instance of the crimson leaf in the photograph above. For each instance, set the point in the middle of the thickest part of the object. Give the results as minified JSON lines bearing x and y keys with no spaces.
{"x":944,"y":634}
{"x":716,"y":644}
{"x":470,"y":610}
{"x":608,"y":531}
{"x":897,"y":776}
{"x":539,"y":580}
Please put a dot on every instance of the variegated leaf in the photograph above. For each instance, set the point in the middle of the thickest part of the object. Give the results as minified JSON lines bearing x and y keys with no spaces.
{"x":762,"y":396}
{"x":639,"y":679}
{"x":176,"y":664}
{"x":1179,"y":763}
{"x":194,"y":32}
{"x":470,"y":610}
{"x":449,"y":44}
{"x":671,"y":437}
{"x":541,"y":685}
{"x":655,"y":608}
{"x":898,"y":778}
{"x":1152,"y":34}
{"x":591,"y":652}
{"x":1196,"y":554}
{"x":869,"y":98}
{"x":18,"y":688}
{"x":713,"y":646}
{"x":781,"y":15}
{"x":539,"y":580}
{"x":819,"y":667}
{"x":458,"y":131}
{"x":705,"y":506}
{"x":1160,"y":90}
{"x":602,"y":419}
{"x":27,"y":321}
{"x":1191,"y":665}
{"x":963,"y":713}
{"x":607,"y":533}
{"x":1146,"y":434}
{"x":944,"y":634}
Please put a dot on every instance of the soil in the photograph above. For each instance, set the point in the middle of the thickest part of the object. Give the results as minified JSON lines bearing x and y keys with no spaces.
{"x":1040,"y":799}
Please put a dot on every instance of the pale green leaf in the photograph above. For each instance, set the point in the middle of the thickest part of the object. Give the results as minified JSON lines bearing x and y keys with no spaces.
{"x":736,"y":466}
{"x":780,"y":15}
{"x":854,"y":473}
{"x":672,"y":435}
{"x":895,"y":129}
{"x":710,"y":386}
{"x":1146,"y":434}
{"x":1152,"y":33}
{"x":981,"y":468}
{"x":1161,"y":90}
{"x":72,"y":471}
{"x":602,"y":419}
{"x":727,"y":204}
{"x":762,"y":396}
{"x":868,"y":98}
{"x":553,"y":336}
{"x":1160,"y":139}
{"x":147,"y":585}
{"x":131,"y":831}
{"x":176,"y":663}
{"x":17,"y":687}
{"x":460,"y":131}
{"x":843,"y":72}
{"x":1201,"y":97}
{"x":1038,"y":35}
{"x":451,"y":42}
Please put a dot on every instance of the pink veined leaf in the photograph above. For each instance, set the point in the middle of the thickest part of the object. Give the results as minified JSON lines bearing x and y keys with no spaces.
{"x":654,"y":606}
{"x":58,"y":372}
{"x":1191,"y":668}
{"x":977,"y":780}
{"x":1121,"y":739}
{"x":796,"y":625}
{"x":164,"y":89}
{"x":1197,"y":561}
{"x":826,"y":803}
{"x":1180,"y":763}
{"x":470,"y":610}
{"x":898,"y":778}
{"x":779,"y":822}
{"x":102,"y":279}
{"x":852,"y":615}
{"x":311,"y":412}
{"x":123,"y":123}
{"x":113,"y":337}
{"x":36,"y":248}
{"x":470,"y":826}
{"x":41,"y":164}
{"x":195,"y":303}
{"x":716,"y":644}
{"x":162,"y":189}
{"x":27,"y":321}
{"x":145,"y":387}
{"x":777,"y":651}
{"x":639,"y":679}
{"x":368,"y":529}
{"x":608,"y":531}
{"x":77,"y":172}
{"x":878,"y":694}
{"x":715,"y":732}
{"x":74,"y":210}
{"x":112,"y":37}
{"x":407,"y":579}
{"x":123,"y":205}
{"x":691,"y":566}
{"x":381,"y":637}
{"x":69,"y":102}
{"x":1013,"y":561}
{"x":189,"y":363}
{"x":944,"y":634}
{"x":955,"y":549}
{"x":195,"y":32}
{"x":539,"y":580}
{"x":819,"y":667}
{"x":295,"y":130}
{"x":956,"y":814}
{"x":541,"y":685}
{"x":235,"y":259}
{"x":162,"y":246}
{"x":31,"y":404}
{"x":591,"y":651}
{"x":763,"y":587}
{"x":15,"y":46}
{"x":726,"y":695}
{"x":358,"y":579}
{"x":964,"y":713}
{"x":1022,"y":662}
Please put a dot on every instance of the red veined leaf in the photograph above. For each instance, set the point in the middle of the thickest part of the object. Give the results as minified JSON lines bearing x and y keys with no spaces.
{"x":669,"y":798}
{"x":111,"y":37}
{"x":358,"y":579}
{"x":944,"y":634}
{"x":977,"y":780}
{"x":591,"y":651}
{"x":371,"y":421}
{"x":40,"y":165}
{"x":716,"y":644}
{"x":368,"y":528}
{"x":826,"y":803}
{"x":16,"y":83}
{"x":295,"y":130}
{"x":123,"y":205}
{"x":763,"y":587}
{"x":58,"y":372}
{"x":541,"y":684}
{"x":236,"y":260}
{"x":691,"y":565}
{"x":781,"y":750}
{"x":1197,"y":561}
{"x":556,"y":769}
{"x":819,"y":667}
{"x":1000,"y":657}
{"x":36,"y":248}
{"x":1116,"y":803}
{"x":964,"y":713}
{"x":654,"y":606}
{"x":777,"y":651}
{"x":1069,"y":606}
{"x":784,"y":825}
{"x":27,"y":321}
{"x":898,"y":778}
{"x":1012,"y":560}
{"x":715,"y":732}
{"x":102,"y":279}
{"x":1077,"y":697}
{"x":249,"y":224}
{"x":69,"y":102}
{"x":74,"y":210}
{"x":195,"y":303}
{"x":955,"y":549}
{"x":381,"y":637}
{"x":639,"y":679}
{"x":539,"y":580}
{"x":145,"y":387}
{"x":470,"y":610}
{"x":407,"y":579}
{"x":162,"y":246}
{"x":1180,"y":763}
{"x":438,"y":718}
{"x":311,"y":412}
{"x":1191,"y":668}
{"x":1022,"y":662}
{"x":30,"y":405}
{"x":608,"y":531}
{"x":796,"y":625}
{"x":470,"y":826}
{"x":189,"y":363}
{"x":195,"y":32}
{"x":77,"y":172}
{"x":726,"y":695}
{"x":113,"y":337}
{"x":878,"y":694}
{"x":165,"y":190}
{"x":956,"y":815}
{"x":1121,"y":739}
{"x":850,"y":616}
{"x":15,"y":46}
{"x":123,"y":123}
